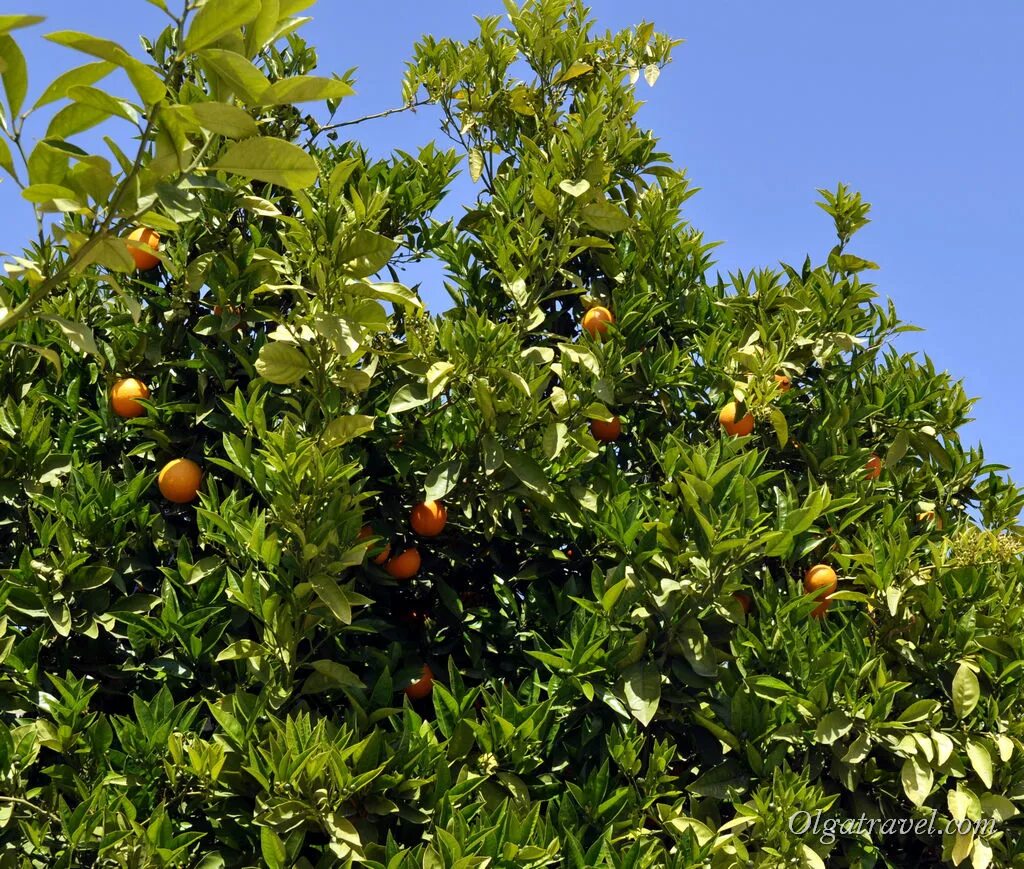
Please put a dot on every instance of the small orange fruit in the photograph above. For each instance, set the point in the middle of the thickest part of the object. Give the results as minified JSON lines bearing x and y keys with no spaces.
{"x":124,"y":397}
{"x":821,"y":576}
{"x":144,"y":260}
{"x":367,"y":531}
{"x":873,"y":468}
{"x":733,"y":426}
{"x":744,"y":601}
{"x":428,"y":518}
{"x":179,"y":480}
{"x":596,"y":321}
{"x":405,"y":565}
{"x":421,"y":687}
{"x":606,"y":431}
{"x":784,"y":383}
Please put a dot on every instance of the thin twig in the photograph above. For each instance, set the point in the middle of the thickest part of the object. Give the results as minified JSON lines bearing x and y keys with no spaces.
{"x":20,"y":802}
{"x":409,"y":107}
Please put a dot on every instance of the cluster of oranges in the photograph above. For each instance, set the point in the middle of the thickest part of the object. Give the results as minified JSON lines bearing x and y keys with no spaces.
{"x":427,"y":519}
{"x":179,"y":479}
{"x":595,"y":324}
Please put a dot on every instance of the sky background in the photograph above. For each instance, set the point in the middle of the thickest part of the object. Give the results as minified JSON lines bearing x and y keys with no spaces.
{"x":919,"y":106}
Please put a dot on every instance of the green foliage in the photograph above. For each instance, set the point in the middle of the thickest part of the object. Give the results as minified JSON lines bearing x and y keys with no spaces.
{"x":220,"y":683}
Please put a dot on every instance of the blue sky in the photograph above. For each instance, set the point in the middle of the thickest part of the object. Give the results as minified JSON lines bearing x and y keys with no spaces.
{"x":918,"y":106}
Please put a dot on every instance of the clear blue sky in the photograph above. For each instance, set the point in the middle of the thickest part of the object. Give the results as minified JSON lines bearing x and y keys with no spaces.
{"x":917,"y":105}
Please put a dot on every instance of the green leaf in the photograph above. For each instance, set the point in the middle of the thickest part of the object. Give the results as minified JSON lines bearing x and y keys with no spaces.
{"x":575,"y":71}
{"x":98,"y":99}
{"x":74,"y":119}
{"x":441,"y":480}
{"x":696,"y":649}
{"x":981,"y":760}
{"x":332,"y":594}
{"x":833,"y":726}
{"x":966,"y":691}
{"x":217,"y":18}
{"x":272,"y":849}
{"x":79,"y":336}
{"x":577,"y":188}
{"x":898,"y":449}
{"x":546,"y":202}
{"x":605,"y":217}
{"x":366,"y":253}
{"x":338,"y":673}
{"x":6,"y":159}
{"x":241,"y":649}
{"x":555,"y":437}
{"x":781,"y":427}
{"x":14,"y":22}
{"x":304,"y":89}
{"x":15,"y":73}
{"x":39,"y":193}
{"x":281,"y":362}
{"x":59,"y":615}
{"x":236,"y":72}
{"x":476,"y":164}
{"x":272,"y":160}
{"x":346,"y":428}
{"x":528,"y":471}
{"x":641,"y":689}
{"x":407,"y":397}
{"x":225,"y":119}
{"x":438,"y":376}
{"x":49,"y":355}
{"x":396,"y":293}
{"x":917,"y":779}
{"x":147,"y":83}
{"x":110,"y":252}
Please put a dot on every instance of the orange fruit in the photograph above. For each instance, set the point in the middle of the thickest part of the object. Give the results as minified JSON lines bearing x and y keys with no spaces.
{"x":606,"y":431}
{"x":144,"y":260}
{"x":818,"y":577}
{"x":733,"y":426}
{"x":784,"y":383}
{"x":428,"y":518}
{"x":367,"y":531}
{"x":873,"y":468}
{"x":179,"y":480}
{"x":744,"y":600}
{"x":124,"y":395}
{"x":404,"y":565}
{"x":596,"y":321}
{"x":421,"y":687}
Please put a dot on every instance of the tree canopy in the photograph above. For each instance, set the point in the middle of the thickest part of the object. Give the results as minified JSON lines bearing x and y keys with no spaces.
{"x":228,"y":637}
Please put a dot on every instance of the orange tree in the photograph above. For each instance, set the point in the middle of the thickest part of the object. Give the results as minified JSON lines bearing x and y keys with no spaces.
{"x":600,"y":650}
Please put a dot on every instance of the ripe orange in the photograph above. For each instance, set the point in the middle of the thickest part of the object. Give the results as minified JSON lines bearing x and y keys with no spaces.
{"x":428,"y":518}
{"x":124,"y":395}
{"x":873,"y":468}
{"x":405,"y":565}
{"x":606,"y":431}
{"x":732,"y":425}
{"x":144,"y":260}
{"x":784,"y":383}
{"x":179,"y":480}
{"x":367,"y":531}
{"x":744,"y":600}
{"x":421,"y":687}
{"x":596,"y":321}
{"x":817,"y":577}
